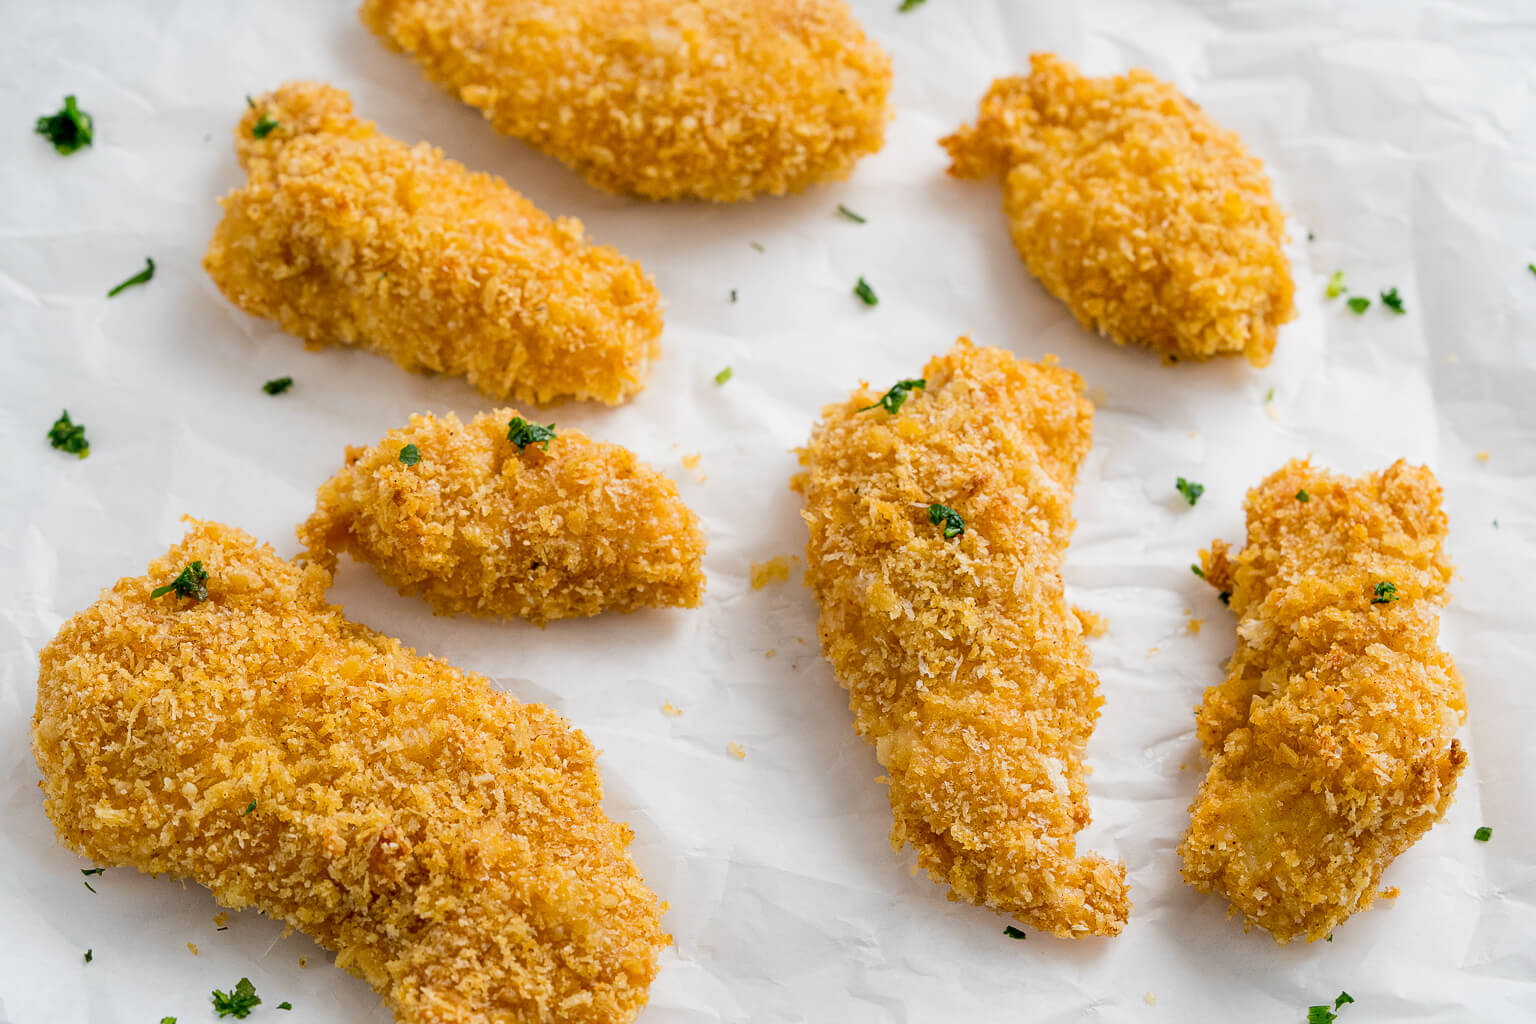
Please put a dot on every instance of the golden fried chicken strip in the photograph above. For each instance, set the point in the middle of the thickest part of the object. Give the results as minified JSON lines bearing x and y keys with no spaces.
{"x":1331,"y":740}
{"x":1155,"y":226}
{"x":346,"y":236}
{"x":714,"y":99}
{"x":478,"y":526}
{"x":445,"y":840}
{"x":964,"y":664}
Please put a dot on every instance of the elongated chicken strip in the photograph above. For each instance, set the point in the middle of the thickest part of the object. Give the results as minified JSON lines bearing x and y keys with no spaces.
{"x":1155,"y":226}
{"x":938,"y":516}
{"x":446,"y":841}
{"x":482,"y":519}
{"x":712,"y":99}
{"x":348,"y":237}
{"x":1331,"y":741}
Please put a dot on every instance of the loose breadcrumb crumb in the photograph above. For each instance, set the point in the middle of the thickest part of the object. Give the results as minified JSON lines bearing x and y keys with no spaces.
{"x":192,"y":948}
{"x":1151,"y":999}
{"x":770,"y":652}
{"x":348,"y":237}
{"x":1153,"y":224}
{"x":737,"y":751}
{"x":692,"y":461}
{"x":478,"y":527}
{"x":1482,"y":456}
{"x":1193,"y":625}
{"x":714,"y":99}
{"x":221,"y":919}
{"x":775,"y":570}
{"x":965,"y":666}
{"x":303,"y":961}
{"x":447,"y":841}
{"x":670,"y":710}
{"x":1093,"y":624}
{"x":1331,"y":741}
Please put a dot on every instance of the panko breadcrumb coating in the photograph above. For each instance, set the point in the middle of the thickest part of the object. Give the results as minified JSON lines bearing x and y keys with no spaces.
{"x":478,"y":527}
{"x":346,"y":236}
{"x":445,"y":840}
{"x":964,"y":664}
{"x":1331,"y":740}
{"x":714,"y":99}
{"x":1155,"y":226}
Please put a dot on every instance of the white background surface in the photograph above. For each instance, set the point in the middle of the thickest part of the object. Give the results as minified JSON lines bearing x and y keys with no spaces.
{"x":1399,"y":132}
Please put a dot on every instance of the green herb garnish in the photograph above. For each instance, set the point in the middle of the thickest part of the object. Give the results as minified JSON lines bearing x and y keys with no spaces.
{"x":1385,"y":593}
{"x":1393,"y":301}
{"x":1225,"y":597}
{"x":851,"y":215}
{"x":248,"y":809}
{"x":865,"y":293}
{"x":92,"y":871}
{"x":522,"y":433}
{"x":1321,"y":1014}
{"x":1014,"y":933}
{"x":285,"y":1005}
{"x":724,"y":375}
{"x":277,"y":385}
{"x":910,"y":5}
{"x":238,"y":1003}
{"x":1483,"y":834}
{"x":758,"y":246}
{"x":1344,"y":997}
{"x":190,"y":582}
{"x":167,"y":1020}
{"x":733,"y":294}
{"x":141,"y":277}
{"x":69,"y":437}
{"x":88,"y":885}
{"x":1195,"y":568}
{"x":89,"y":956}
{"x":263,"y":127}
{"x":1359,"y":304}
{"x":1302,"y":495}
{"x":1335,"y":285}
{"x":954,"y":526}
{"x":410,"y":455}
{"x":69,"y":130}
{"x":894,"y":399}
{"x":1189,"y":489}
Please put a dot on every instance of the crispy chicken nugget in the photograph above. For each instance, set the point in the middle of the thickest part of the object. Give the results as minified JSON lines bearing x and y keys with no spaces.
{"x":479,"y":526}
{"x":444,"y":839}
{"x":714,"y":99}
{"x":346,"y":236}
{"x":964,"y":664}
{"x":1153,"y":225}
{"x":1331,"y":740}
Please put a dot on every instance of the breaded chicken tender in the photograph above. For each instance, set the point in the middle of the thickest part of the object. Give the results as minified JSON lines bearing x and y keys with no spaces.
{"x":1155,"y":226}
{"x":478,"y":526}
{"x":1332,"y":739}
{"x":445,"y":840}
{"x":344,"y":236}
{"x":964,"y":664}
{"x":713,"y":99}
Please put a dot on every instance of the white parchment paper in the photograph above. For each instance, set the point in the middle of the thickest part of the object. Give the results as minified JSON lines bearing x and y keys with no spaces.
{"x":1399,"y":135}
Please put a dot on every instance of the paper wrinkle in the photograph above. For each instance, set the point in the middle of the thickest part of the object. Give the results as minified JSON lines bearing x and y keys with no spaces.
{"x":1398,"y":134}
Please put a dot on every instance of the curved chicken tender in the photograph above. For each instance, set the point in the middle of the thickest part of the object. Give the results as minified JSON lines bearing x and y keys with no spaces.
{"x":714,"y":99}
{"x":477,"y":526}
{"x":963,"y":662}
{"x":346,"y":236}
{"x":1331,"y":739}
{"x":1153,"y":225}
{"x":445,"y":840}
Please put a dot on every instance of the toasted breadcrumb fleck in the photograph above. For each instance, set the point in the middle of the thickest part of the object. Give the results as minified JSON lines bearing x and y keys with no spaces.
{"x":770,"y":652}
{"x":737,"y":751}
{"x":1151,"y":999}
{"x":1331,"y":741}
{"x":221,"y":919}
{"x":964,"y":664}
{"x":1193,"y":625}
{"x":1093,"y":623}
{"x":1391,"y":892}
{"x":478,"y":527}
{"x":692,"y":461}
{"x":670,"y":710}
{"x":1153,"y":224}
{"x":1482,"y":456}
{"x":714,"y":99}
{"x":303,"y":961}
{"x":192,"y":948}
{"x":775,"y":570}
{"x":348,"y":237}
{"x":447,"y":841}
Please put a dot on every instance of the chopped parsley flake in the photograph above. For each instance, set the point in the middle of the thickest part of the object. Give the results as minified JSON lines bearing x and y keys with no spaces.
{"x":910,"y":5}
{"x":190,"y":582}
{"x":238,"y":1003}
{"x":1195,"y":568}
{"x":69,"y":130}
{"x":733,"y":294}
{"x":1531,"y":267}
{"x":954,"y":526}
{"x":851,"y":215}
{"x":1385,"y":593}
{"x":1393,"y":301}
{"x":758,"y":246}
{"x":1225,"y":597}
{"x":69,"y":437}
{"x":248,"y":808}
{"x":894,"y":399}
{"x":522,"y":433}
{"x":1344,"y":997}
{"x":264,"y":125}
{"x":1189,"y":489}
{"x":410,"y":455}
{"x":1321,"y":1015}
{"x":1335,"y":285}
{"x":1302,"y":495}
{"x":724,"y":375}
{"x":865,"y":293}
{"x":141,"y":277}
{"x":88,"y":885}
{"x":1359,"y":304}
{"x":167,"y":1020}
{"x":1483,"y":834}
{"x":89,"y":956}
{"x":277,"y":385}
{"x":1269,"y":396}
{"x":92,"y":871}
{"x":285,"y":1005}
{"x":1014,"y":933}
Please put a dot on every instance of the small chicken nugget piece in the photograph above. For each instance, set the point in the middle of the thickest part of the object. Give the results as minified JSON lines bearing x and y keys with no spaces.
{"x":478,"y":526}
{"x":964,"y":664}
{"x":1153,"y":225}
{"x":445,"y":840}
{"x":1331,"y":740}
{"x":715,"y":99}
{"x":345,"y":236}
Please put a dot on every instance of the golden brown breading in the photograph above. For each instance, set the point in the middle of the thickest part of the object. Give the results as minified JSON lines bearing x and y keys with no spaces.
{"x":965,"y":666}
{"x":346,"y":236}
{"x":1153,"y":225}
{"x":478,"y":527}
{"x":714,"y":99}
{"x":445,"y":840}
{"x":1331,"y":740}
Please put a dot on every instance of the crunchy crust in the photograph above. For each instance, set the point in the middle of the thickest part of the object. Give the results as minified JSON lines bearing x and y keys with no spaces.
{"x":964,"y":664}
{"x":716,"y":99}
{"x":477,"y":527}
{"x":1155,"y":226}
{"x":444,"y":839}
{"x":346,"y":236}
{"x":1331,"y":740}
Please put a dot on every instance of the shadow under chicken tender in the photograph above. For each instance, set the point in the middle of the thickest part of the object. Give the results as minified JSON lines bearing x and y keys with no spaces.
{"x":1332,"y":739}
{"x":964,"y":664}
{"x":346,"y":236}
{"x":479,"y":526}
{"x":445,"y":840}
{"x":1155,"y":226}
{"x":716,"y":99}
